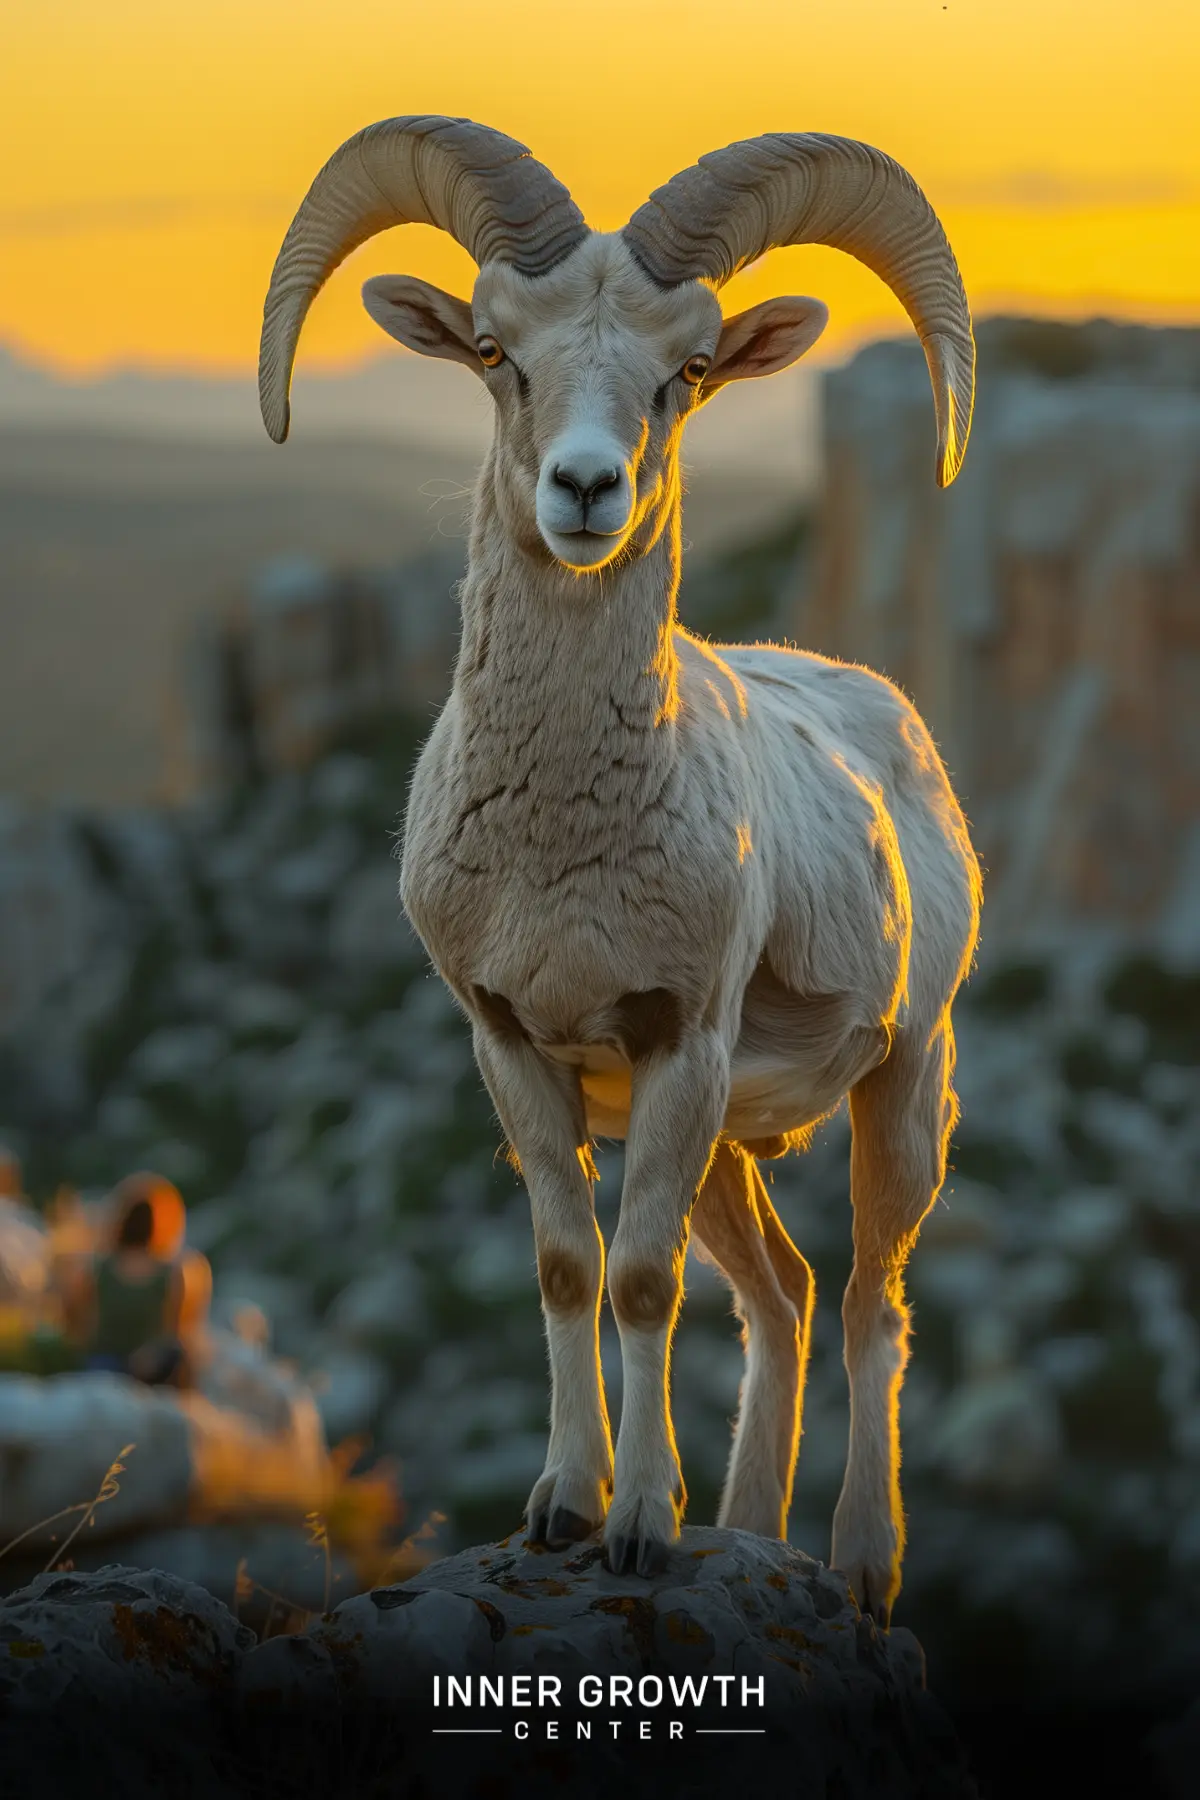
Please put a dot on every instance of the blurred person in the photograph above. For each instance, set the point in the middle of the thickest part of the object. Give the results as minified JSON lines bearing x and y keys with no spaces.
{"x":149,"y":1282}
{"x":168,"y":1243}
{"x":133,"y":1312}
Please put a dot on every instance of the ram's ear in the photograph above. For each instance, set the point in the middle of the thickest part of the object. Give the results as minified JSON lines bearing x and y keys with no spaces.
{"x":423,"y":318}
{"x":765,"y":339}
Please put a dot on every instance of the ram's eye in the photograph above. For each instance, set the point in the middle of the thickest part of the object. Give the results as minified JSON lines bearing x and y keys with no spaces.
{"x":695,"y":369}
{"x":490,"y":353}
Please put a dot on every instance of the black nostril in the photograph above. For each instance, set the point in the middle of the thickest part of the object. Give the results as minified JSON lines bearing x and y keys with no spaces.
{"x":585,"y":491}
{"x":606,"y":479}
{"x":561,"y":478}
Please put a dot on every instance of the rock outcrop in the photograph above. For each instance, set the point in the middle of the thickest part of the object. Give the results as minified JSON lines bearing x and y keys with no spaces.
{"x":116,"y":1683}
{"x":815,"y":1702}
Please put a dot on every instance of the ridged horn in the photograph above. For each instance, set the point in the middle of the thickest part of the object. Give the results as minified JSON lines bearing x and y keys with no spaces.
{"x":709,"y":221}
{"x":485,"y":189}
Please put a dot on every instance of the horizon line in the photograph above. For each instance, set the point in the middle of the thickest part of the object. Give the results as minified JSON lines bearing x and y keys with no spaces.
{"x":1091,"y":309}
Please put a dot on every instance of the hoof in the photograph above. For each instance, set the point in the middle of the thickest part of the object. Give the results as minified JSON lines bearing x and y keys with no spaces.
{"x":566,"y":1505}
{"x":636,"y":1555}
{"x":873,"y":1591}
{"x":566,"y":1528}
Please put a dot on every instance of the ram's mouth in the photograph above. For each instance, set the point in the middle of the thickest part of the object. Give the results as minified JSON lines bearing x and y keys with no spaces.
{"x":584,"y":550}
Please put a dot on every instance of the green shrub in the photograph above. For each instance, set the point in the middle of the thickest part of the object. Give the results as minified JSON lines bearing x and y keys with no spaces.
{"x":1017,"y":988}
{"x":1165,"y":1000}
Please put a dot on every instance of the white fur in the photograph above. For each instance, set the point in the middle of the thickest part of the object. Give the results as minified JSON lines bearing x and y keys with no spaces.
{"x":761,"y":840}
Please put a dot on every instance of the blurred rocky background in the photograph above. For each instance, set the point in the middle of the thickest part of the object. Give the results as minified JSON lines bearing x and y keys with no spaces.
{"x":1044,"y":613}
{"x":225,"y":990}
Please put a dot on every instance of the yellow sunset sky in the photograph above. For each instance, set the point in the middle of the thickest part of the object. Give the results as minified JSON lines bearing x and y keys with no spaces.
{"x":154,"y":150}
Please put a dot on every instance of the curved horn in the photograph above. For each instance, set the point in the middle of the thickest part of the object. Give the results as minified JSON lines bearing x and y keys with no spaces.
{"x":485,"y":189}
{"x":805,"y":188}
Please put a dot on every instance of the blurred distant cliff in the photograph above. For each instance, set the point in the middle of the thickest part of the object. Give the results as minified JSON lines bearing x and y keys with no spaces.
{"x":313,"y":652}
{"x":1044,"y":613}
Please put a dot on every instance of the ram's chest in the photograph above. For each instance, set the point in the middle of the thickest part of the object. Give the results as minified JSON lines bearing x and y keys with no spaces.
{"x":558,"y":944}
{"x":555,"y":914}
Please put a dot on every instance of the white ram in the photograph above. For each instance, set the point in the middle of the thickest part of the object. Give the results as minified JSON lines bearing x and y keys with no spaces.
{"x":687,"y":896}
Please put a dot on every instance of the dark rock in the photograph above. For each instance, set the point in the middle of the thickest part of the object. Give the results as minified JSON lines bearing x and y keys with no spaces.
{"x":744,"y":1663}
{"x":843,"y":1708}
{"x":1177,"y":1749}
{"x":116,"y":1683}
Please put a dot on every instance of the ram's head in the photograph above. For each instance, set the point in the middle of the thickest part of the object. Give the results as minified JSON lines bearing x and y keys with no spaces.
{"x":596,"y":347}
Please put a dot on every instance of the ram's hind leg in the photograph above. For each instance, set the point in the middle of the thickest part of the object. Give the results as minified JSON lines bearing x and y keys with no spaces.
{"x":902,"y":1114}
{"x":737,"y":1225}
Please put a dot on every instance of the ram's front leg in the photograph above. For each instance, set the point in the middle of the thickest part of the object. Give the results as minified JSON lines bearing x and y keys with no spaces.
{"x":541,"y":1109}
{"x":677,"y":1109}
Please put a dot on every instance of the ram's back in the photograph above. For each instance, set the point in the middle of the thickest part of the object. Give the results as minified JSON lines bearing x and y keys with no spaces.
{"x":869,"y":834}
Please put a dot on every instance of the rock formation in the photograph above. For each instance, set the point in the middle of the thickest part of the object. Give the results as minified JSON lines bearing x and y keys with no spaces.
{"x":152,"y":1679}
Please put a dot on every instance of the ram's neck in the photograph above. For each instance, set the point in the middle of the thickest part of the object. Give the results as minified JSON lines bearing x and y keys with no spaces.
{"x":566,"y":679}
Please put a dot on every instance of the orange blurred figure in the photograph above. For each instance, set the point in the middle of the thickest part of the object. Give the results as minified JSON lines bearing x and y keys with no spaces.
{"x":158,"y":1208}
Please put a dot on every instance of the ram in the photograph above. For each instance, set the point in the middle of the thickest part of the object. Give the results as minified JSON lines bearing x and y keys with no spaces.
{"x":688,"y":896}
